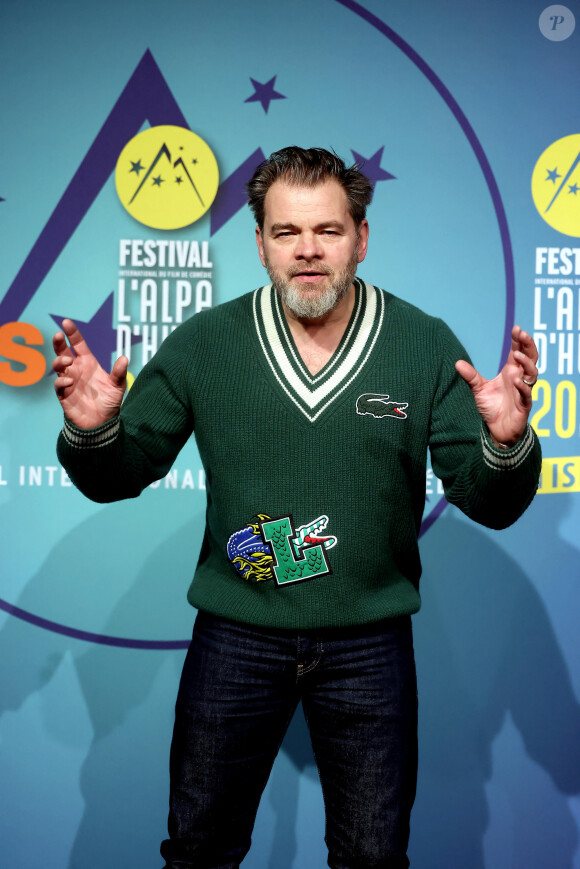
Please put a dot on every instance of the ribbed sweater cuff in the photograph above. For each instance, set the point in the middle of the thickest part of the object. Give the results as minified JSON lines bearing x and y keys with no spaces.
{"x":91,"y":438}
{"x":510,"y":459}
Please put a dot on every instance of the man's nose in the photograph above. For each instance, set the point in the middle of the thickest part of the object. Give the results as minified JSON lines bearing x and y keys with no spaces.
{"x":308,"y":246}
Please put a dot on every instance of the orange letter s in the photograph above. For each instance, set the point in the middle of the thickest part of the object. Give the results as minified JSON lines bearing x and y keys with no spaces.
{"x":33,"y":360}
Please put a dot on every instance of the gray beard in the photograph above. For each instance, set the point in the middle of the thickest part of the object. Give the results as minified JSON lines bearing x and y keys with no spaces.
{"x":315,"y":306}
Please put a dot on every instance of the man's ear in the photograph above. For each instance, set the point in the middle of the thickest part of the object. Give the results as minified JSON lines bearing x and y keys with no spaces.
{"x":363,"y":240}
{"x":260,"y":243}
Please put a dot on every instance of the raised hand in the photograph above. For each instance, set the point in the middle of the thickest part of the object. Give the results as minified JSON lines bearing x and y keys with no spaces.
{"x":88,"y":395}
{"x":505,"y":402}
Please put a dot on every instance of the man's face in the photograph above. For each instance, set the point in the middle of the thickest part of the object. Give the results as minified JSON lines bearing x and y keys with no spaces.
{"x":310,"y":246}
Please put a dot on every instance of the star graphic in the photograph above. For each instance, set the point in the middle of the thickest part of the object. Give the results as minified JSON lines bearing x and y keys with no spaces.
{"x":136,"y":167}
{"x":552,"y":175}
{"x":264,"y":93}
{"x":372,"y":167}
{"x":573,"y":188}
{"x":178,"y":179}
{"x":157,"y":182}
{"x":98,"y":332}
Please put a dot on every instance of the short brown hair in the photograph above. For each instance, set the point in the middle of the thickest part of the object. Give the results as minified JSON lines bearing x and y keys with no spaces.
{"x":308,"y":167}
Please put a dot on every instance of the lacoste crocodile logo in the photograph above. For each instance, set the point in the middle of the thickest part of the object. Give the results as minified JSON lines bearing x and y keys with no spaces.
{"x":379,"y":406}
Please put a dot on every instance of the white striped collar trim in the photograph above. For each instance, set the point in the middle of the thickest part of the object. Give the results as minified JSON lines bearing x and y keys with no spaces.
{"x":276,"y":308}
{"x":353,"y":362}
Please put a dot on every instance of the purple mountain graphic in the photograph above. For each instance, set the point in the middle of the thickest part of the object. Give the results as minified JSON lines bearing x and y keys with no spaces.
{"x":146,"y":97}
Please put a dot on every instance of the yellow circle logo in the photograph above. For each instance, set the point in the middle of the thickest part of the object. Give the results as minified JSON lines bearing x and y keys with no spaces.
{"x":166,"y":177}
{"x":556,"y":185}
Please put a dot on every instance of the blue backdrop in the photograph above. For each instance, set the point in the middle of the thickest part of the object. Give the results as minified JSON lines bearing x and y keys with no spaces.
{"x":466,"y":117}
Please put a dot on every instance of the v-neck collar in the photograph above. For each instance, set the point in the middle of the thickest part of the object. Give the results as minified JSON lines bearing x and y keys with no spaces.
{"x":313,"y":394}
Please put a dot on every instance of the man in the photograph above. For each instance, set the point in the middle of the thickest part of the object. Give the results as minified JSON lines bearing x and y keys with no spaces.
{"x":313,"y":401}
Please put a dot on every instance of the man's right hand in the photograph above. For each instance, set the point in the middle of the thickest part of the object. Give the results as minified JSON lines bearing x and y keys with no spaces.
{"x":88,"y":395}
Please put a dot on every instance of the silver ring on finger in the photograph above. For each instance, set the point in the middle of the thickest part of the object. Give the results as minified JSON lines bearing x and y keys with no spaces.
{"x":528,"y":383}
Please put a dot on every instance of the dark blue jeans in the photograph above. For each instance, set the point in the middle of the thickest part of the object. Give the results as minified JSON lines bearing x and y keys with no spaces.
{"x":239,"y":689}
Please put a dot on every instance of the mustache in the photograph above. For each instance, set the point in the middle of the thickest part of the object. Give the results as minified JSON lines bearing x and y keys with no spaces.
{"x":301,"y":268}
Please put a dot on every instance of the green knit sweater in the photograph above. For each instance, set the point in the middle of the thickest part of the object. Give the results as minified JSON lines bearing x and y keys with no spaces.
{"x":315,"y":483}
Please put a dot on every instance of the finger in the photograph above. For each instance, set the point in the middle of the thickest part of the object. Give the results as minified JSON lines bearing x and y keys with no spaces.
{"x":119,"y":371}
{"x":61,"y":364}
{"x":522,"y":375}
{"x":76,"y":340}
{"x":528,"y":366}
{"x":472,"y":377}
{"x":62,"y":381}
{"x":525,"y":391}
{"x":527,"y":345}
{"x":59,"y":343}
{"x":525,"y":370}
{"x":524,"y":342}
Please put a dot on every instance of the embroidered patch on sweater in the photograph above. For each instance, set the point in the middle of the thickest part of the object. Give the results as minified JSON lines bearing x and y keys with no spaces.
{"x":274,"y":549}
{"x":379,"y":406}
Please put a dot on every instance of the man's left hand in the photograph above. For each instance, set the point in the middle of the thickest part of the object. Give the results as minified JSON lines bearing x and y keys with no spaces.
{"x":505,"y":402}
